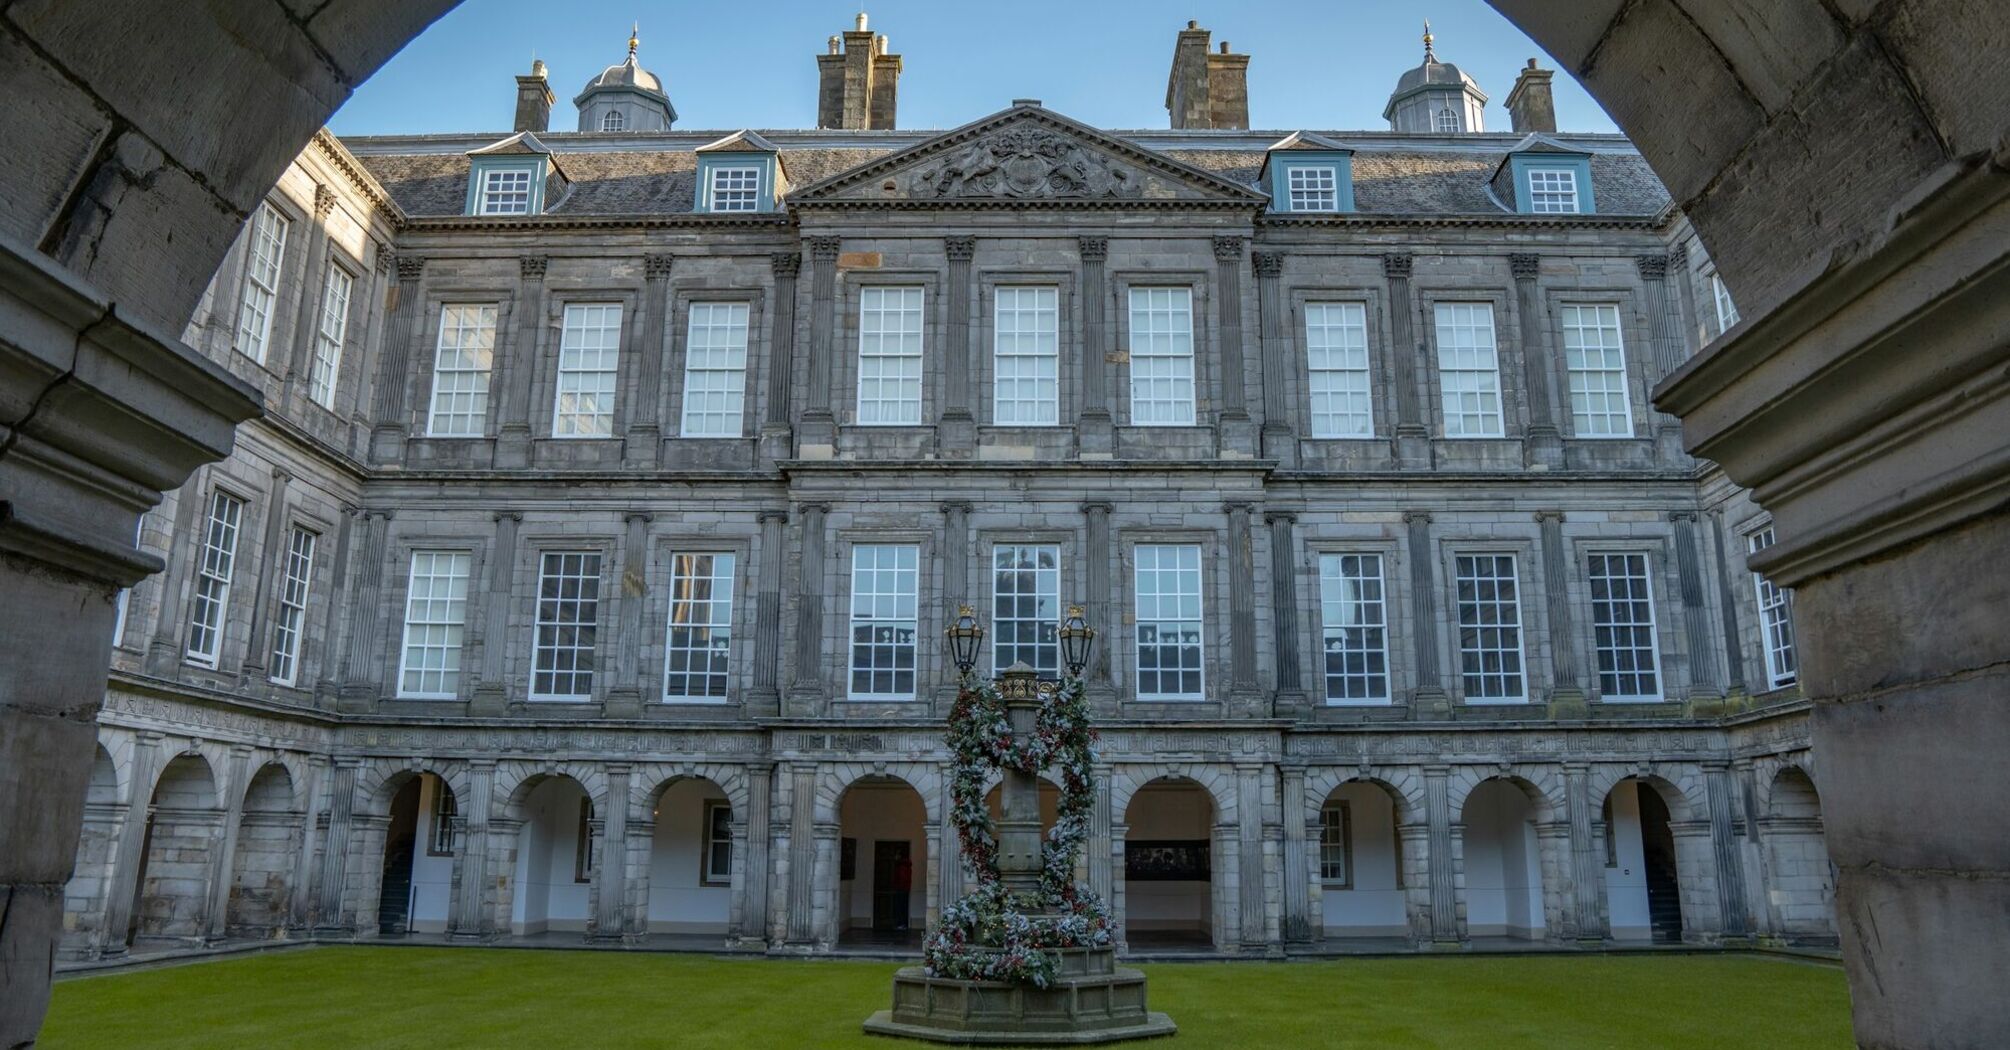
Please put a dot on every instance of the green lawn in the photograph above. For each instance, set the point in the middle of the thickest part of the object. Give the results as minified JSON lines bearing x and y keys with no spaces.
{"x":433,"y":998}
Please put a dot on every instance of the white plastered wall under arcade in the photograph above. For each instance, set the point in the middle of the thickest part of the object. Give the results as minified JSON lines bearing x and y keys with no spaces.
{"x":680,"y":900}
{"x":1372,"y":904}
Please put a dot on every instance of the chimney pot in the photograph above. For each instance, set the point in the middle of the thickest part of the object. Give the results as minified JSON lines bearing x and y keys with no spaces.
{"x":1207,"y":88}
{"x":1531,"y":103}
{"x":1193,"y":23}
{"x":533,"y":100}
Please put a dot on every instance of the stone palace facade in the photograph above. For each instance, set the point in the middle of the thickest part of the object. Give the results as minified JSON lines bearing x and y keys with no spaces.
{"x":586,"y":577}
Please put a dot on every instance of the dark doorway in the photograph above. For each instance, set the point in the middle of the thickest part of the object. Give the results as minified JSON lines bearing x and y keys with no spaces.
{"x":394,"y":904}
{"x":892,"y":881}
{"x":1657,"y":846}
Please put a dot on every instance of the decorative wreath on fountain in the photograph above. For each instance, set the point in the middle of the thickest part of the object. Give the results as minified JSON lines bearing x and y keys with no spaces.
{"x":988,"y":935}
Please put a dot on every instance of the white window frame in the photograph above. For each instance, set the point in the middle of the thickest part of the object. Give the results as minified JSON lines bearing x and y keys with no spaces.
{"x":589,"y":371}
{"x":1312,"y":187}
{"x":463,"y":368}
{"x":1164,"y":385}
{"x":1445,"y":121}
{"x":1776,"y":619}
{"x":326,"y":368}
{"x":734,"y":187}
{"x":1632,"y":615}
{"x":1339,"y":385}
{"x":1026,"y":355}
{"x":1189,"y":607}
{"x":1595,"y":371}
{"x":701,"y":607}
{"x":1336,"y":845}
{"x":614,"y":120}
{"x":1727,"y":311}
{"x":443,"y":824}
{"x":716,"y":846}
{"x":884,"y":598}
{"x":1553,"y":191}
{"x":891,"y":331}
{"x":1473,"y":624}
{"x":715,"y":370}
{"x":436,"y":620}
{"x":289,"y":624}
{"x":216,"y":565}
{"x":1354,"y":625}
{"x":505,"y":191}
{"x":1469,"y":372}
{"x":1037,"y":565}
{"x":558,"y":613}
{"x":258,"y":293}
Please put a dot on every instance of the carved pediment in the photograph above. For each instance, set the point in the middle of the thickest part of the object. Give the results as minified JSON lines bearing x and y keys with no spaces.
{"x":1026,"y":155}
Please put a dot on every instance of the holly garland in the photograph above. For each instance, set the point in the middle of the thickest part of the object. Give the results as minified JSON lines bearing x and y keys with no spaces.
{"x":988,"y":935}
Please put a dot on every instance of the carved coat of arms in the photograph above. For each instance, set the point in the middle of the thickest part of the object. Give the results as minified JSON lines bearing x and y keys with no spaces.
{"x":1026,"y":164}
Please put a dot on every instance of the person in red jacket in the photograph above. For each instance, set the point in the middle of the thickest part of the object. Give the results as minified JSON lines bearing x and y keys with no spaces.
{"x":903,"y":882}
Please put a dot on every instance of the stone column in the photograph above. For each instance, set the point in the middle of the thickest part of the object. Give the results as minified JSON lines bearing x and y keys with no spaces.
{"x":802,"y":854}
{"x":1443,"y":872}
{"x":1245,"y":694}
{"x":1236,"y":436}
{"x":1102,"y":840}
{"x":470,"y":918}
{"x":956,"y":586}
{"x":1414,"y":841}
{"x":766,"y":697}
{"x":1587,"y":865}
{"x":1729,"y":873}
{"x":817,"y":434}
{"x":520,"y":364}
{"x":313,"y":282}
{"x":223,"y":859}
{"x":1566,"y":698}
{"x":644,"y":442}
{"x":1695,"y":617}
{"x":1429,"y":700}
{"x":755,"y":871}
{"x":611,"y":874}
{"x":949,"y":848}
{"x":272,"y":557}
{"x":1665,"y":348}
{"x":1727,"y":600}
{"x":361,"y":674}
{"x":1689,"y":335}
{"x":776,"y":433}
{"x":1250,"y":783}
{"x":391,"y":412}
{"x":164,"y":652}
{"x":300,"y":901}
{"x":1095,"y":431}
{"x":329,"y":643}
{"x":1099,"y":556}
{"x":491,"y":691}
{"x":131,"y":849}
{"x":806,"y":690}
{"x":328,"y":916}
{"x":956,"y":430}
{"x":1543,"y":449}
{"x":1291,"y":700}
{"x":1280,"y":436}
{"x":1299,"y":924}
{"x":1413,"y":432}
{"x":632,"y":680}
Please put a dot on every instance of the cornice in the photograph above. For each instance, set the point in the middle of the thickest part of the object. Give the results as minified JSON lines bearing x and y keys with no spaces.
{"x":1474,"y":221}
{"x":360,"y":178}
{"x":672,"y":220}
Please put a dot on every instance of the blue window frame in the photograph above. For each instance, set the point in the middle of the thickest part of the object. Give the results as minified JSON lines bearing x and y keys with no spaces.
{"x":1552,"y":184}
{"x":1312,"y":181}
{"x":506,"y":185}
{"x":731,"y":183}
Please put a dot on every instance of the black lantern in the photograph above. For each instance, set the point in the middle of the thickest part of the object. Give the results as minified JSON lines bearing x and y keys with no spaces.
{"x":965,"y":636}
{"x":1077,"y":637}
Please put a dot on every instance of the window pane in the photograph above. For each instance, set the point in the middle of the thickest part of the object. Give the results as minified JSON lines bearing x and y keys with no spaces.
{"x":1169,"y":622}
{"x":883,"y":625}
{"x":588,"y":353}
{"x":1592,"y":352}
{"x":568,"y":618}
{"x":700,"y":643}
{"x":1312,"y":188}
{"x":461,"y":364}
{"x":1622,"y":620}
{"x":1336,"y":347}
{"x":715,"y":370}
{"x":286,"y":629}
{"x":327,"y":364}
{"x":1468,"y":370}
{"x":213,"y":576}
{"x":1776,"y":618}
{"x":889,"y":355}
{"x":436,"y":612}
{"x":1354,"y":625}
{"x":1026,"y":607}
{"x":505,"y":192}
{"x":1490,"y":628}
{"x":1026,"y":384}
{"x":264,"y":252}
{"x":1162,"y":383}
{"x":1552,"y":190}
{"x":736,"y":189}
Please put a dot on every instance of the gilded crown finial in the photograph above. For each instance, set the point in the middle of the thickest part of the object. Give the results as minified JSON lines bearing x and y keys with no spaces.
{"x":634,"y":38}
{"x":1430,"y":55}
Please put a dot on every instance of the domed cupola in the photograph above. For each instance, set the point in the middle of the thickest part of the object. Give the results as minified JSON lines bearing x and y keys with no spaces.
{"x":625,"y":97}
{"x":1436,"y":98}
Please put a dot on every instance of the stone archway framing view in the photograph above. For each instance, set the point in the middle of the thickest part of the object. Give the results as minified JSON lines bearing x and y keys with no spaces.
{"x":1845,"y":164}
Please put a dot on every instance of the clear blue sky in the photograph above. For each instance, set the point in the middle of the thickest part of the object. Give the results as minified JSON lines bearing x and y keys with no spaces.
{"x":1314,"y":63}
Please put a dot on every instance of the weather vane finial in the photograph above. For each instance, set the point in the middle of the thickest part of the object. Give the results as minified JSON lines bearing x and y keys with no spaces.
{"x":634,"y":38}
{"x":1429,"y":54}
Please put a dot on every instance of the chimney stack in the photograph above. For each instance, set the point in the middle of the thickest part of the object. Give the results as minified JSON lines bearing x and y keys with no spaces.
{"x":533,"y":99}
{"x":1207,"y":88}
{"x":1530,"y":102}
{"x":857,"y":81}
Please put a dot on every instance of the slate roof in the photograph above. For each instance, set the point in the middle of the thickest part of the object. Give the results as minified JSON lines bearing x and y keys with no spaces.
{"x":1433,"y":178}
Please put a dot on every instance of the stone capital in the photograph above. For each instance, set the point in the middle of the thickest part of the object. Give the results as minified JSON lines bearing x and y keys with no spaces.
{"x":531,"y":267}
{"x":656,"y":266}
{"x":1268,"y":264}
{"x":1525,"y":265}
{"x":509,"y":515}
{"x":385,"y":259}
{"x":960,"y":248}
{"x":411,"y":267}
{"x":1397,"y":265}
{"x":771,"y":514}
{"x":1228,"y":248}
{"x":786,"y":264}
{"x":1093,"y":249}
{"x":1652,"y":267}
{"x":825,"y":249}
{"x":1413,"y":517}
{"x":1543,"y":516}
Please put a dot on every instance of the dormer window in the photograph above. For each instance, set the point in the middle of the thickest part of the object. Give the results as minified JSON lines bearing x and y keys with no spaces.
{"x":504,"y":191}
{"x":614,"y":120}
{"x":1446,"y":122}
{"x":1552,"y":191}
{"x":1313,"y":187}
{"x":736,"y":189}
